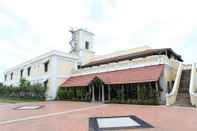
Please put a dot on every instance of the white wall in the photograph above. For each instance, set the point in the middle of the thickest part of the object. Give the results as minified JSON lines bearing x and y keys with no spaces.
{"x":59,"y":68}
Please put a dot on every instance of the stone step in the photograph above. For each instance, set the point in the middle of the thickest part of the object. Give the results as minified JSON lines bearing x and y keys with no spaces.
{"x":183,"y":101}
{"x":183,"y":96}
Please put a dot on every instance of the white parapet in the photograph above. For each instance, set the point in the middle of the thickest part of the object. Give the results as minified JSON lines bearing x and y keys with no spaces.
{"x":193,"y":86}
{"x":171,"y":97}
{"x":135,"y":63}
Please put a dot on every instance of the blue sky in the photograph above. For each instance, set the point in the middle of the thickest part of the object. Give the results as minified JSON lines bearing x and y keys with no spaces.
{"x":30,"y":28}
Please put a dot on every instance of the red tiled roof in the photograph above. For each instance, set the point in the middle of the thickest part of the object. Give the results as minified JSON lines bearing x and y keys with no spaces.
{"x":132,"y":75}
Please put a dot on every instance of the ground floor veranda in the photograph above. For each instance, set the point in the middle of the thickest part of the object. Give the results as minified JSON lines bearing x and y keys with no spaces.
{"x":136,"y":93}
{"x":139,"y":85}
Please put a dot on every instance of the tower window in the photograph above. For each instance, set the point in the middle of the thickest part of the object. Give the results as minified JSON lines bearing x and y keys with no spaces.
{"x":87,"y":45}
{"x":28,"y":71}
{"x":78,"y":66}
{"x":46,"y":64}
{"x":21,"y":73}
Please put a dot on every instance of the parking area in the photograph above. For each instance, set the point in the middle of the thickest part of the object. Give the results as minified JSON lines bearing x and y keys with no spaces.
{"x":74,"y":116}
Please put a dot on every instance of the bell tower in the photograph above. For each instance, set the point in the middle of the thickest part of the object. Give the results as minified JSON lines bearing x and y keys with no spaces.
{"x":82,"y":45}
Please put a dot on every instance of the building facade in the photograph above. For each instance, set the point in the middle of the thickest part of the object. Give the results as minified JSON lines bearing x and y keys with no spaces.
{"x":50,"y":69}
{"x":125,"y":71}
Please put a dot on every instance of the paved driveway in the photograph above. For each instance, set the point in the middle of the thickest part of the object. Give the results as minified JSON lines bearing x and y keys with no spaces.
{"x":73,"y":116}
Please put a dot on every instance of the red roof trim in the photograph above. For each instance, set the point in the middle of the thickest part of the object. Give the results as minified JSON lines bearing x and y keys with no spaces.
{"x":132,"y":75}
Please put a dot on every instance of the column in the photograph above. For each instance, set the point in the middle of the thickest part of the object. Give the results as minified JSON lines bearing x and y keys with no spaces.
{"x":157,"y":89}
{"x":93,"y":98}
{"x":103,"y":93}
{"x":122,"y":93}
{"x":109,"y":93}
{"x":99,"y":92}
{"x":151,"y":90}
{"x":138,"y":92}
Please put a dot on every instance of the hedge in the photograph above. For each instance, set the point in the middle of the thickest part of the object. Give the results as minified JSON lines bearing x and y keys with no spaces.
{"x":73,"y":94}
{"x":24,"y":90}
{"x":144,"y":95}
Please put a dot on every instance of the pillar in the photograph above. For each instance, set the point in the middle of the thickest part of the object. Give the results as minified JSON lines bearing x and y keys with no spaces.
{"x":103,"y":93}
{"x":93,"y":97}
{"x":158,"y":92}
{"x":122,"y":93}
{"x":157,"y":88}
{"x":150,"y":90}
{"x":138,"y":90}
{"x":99,"y":92}
{"x":109,"y":93}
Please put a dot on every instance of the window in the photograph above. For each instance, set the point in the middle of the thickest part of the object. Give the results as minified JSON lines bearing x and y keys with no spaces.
{"x":78,"y":66}
{"x":46,"y":64}
{"x":11,"y":75}
{"x":5,"y":77}
{"x":172,"y":83}
{"x":28,"y":71}
{"x":21,"y":73}
{"x":87,"y":45}
{"x":46,"y":83}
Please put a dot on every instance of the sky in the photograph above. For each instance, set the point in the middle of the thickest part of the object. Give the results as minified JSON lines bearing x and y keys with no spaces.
{"x":29,"y":28}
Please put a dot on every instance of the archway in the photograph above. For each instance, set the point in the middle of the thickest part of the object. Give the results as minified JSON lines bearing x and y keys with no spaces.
{"x":97,"y":89}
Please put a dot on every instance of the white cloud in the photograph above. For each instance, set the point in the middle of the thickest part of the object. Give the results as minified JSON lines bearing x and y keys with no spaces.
{"x":30,"y":28}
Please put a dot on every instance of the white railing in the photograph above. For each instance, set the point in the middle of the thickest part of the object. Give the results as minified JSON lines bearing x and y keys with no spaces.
{"x":171,"y":97}
{"x":139,"y":62}
{"x":193,"y":86}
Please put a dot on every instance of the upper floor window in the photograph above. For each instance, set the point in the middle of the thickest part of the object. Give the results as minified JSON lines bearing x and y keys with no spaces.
{"x":5,"y":77}
{"x":46,"y":64}
{"x":78,"y":66}
{"x":21,"y":73}
{"x":46,"y":83}
{"x":87,"y":45}
{"x":11,"y":75}
{"x":28,"y":71}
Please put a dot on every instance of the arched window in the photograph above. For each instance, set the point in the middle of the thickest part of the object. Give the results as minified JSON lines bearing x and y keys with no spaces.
{"x":87,"y":45}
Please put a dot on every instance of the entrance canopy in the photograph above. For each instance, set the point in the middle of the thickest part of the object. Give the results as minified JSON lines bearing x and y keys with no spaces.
{"x":132,"y":75}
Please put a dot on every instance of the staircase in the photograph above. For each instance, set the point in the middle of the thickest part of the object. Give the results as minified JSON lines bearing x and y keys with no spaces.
{"x":183,"y":96}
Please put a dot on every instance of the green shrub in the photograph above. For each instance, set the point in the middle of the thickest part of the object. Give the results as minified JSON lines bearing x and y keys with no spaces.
{"x":74,"y":93}
{"x":24,"y":90}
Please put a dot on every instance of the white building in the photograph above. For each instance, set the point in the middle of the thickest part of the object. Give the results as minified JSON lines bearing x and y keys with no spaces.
{"x":54,"y":67}
{"x":80,"y":67}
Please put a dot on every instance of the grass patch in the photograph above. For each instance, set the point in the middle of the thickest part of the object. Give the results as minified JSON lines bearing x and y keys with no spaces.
{"x":17,"y":100}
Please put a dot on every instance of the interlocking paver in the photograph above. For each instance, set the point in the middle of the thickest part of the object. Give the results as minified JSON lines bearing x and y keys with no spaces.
{"x":161,"y":117}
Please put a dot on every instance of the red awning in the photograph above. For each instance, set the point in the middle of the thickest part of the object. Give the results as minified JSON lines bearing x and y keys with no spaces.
{"x":132,"y":75}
